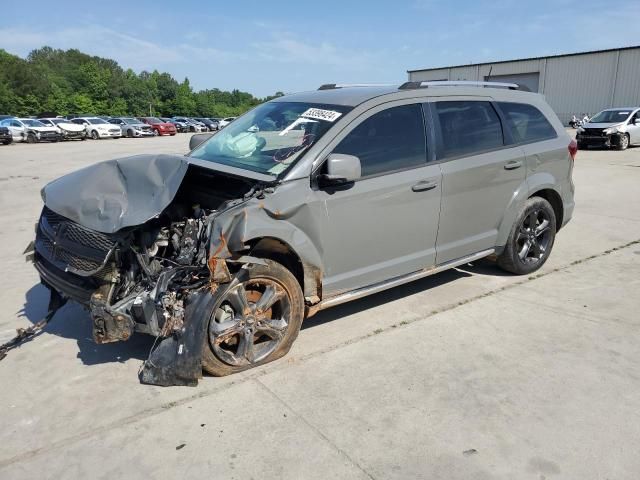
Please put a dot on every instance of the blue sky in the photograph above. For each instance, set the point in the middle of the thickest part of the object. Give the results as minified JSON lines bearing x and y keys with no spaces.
{"x":265,"y":46}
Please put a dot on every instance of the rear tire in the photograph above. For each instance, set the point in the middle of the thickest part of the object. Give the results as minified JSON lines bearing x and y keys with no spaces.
{"x":531,"y":239}
{"x":31,"y":138}
{"x":237,"y":341}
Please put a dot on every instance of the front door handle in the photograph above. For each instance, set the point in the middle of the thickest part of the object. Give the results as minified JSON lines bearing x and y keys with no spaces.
{"x":424,"y":186}
{"x":513,"y":165}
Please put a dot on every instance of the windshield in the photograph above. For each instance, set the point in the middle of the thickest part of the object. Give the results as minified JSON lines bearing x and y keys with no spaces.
{"x":131,"y":121}
{"x":57,"y":121}
{"x":96,"y":121}
{"x":611,"y":116}
{"x":32,"y":123}
{"x":271,"y":137}
{"x":154,"y":120}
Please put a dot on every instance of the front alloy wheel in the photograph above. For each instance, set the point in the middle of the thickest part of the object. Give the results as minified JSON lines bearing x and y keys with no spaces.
{"x":531,"y":238}
{"x":623,"y":143}
{"x":256,"y":320}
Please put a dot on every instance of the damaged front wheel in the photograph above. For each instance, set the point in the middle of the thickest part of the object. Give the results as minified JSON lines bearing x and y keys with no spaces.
{"x":255,"y":322}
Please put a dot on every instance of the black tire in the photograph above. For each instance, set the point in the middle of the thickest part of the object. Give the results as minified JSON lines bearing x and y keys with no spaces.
{"x":218,"y":356}
{"x":94,"y":135}
{"x":31,"y":138}
{"x":582,"y":146}
{"x":156,"y":133}
{"x":624,"y":142}
{"x":530,"y":229}
{"x":7,"y":142}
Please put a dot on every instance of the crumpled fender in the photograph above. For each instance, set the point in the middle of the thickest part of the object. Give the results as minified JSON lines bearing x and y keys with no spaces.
{"x":115,"y":194}
{"x":253,"y":220}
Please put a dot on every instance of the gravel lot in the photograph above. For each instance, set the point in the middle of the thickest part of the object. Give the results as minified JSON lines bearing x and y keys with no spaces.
{"x":469,"y":374}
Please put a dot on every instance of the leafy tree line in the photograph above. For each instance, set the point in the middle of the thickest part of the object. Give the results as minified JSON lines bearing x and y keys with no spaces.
{"x":72,"y":82}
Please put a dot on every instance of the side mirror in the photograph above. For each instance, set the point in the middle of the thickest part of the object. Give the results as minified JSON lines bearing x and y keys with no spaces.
{"x":636,"y":121}
{"x":341,"y":169}
{"x":198,"y":139}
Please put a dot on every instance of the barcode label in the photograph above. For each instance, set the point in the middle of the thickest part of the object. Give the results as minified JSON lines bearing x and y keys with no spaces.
{"x":319,"y":114}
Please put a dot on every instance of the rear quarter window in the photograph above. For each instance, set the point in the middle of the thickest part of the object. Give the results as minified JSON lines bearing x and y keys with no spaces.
{"x":527,"y":123}
{"x":467,"y":128}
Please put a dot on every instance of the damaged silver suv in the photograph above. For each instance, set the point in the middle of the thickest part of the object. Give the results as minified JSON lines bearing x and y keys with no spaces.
{"x":305,"y":202}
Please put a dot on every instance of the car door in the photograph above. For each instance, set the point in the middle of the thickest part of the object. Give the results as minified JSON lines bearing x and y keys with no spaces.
{"x":633,"y":128}
{"x":18,"y":132}
{"x":384,"y":224}
{"x":480,"y":175}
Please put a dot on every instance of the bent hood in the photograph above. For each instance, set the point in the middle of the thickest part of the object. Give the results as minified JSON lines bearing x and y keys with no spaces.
{"x":116,"y":194}
{"x":602,"y":125}
{"x":72,"y":127}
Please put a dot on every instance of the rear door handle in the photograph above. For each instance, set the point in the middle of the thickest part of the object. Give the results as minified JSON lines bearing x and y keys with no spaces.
{"x":513,"y":165}
{"x":424,"y":186}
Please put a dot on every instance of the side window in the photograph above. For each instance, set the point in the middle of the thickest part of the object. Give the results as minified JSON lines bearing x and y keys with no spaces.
{"x":468,"y":127}
{"x":528,"y":124}
{"x":393,"y":139}
{"x":15,"y":123}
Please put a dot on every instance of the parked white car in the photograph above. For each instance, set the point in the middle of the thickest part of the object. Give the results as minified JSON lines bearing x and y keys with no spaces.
{"x":225,"y":121}
{"x":30,"y":131}
{"x":66,"y":128}
{"x":98,"y":128}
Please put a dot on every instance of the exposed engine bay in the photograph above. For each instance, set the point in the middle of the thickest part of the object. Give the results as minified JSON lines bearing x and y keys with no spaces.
{"x":145,"y":278}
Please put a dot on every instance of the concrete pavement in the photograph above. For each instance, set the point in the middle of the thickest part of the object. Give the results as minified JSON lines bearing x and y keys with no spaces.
{"x":468,"y":374}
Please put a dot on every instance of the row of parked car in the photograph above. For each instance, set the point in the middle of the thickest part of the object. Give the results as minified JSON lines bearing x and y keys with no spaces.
{"x":54,"y":129}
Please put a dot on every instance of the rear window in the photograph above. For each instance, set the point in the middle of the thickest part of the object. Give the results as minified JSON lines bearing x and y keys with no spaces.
{"x":528,"y":124}
{"x":467,"y":127}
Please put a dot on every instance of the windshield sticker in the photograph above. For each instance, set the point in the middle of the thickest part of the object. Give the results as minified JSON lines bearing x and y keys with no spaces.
{"x":320,"y":114}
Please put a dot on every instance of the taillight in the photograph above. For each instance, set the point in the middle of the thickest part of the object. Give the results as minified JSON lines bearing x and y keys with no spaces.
{"x":573,"y":149}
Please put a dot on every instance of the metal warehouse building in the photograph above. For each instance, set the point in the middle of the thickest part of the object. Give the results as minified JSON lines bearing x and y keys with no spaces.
{"x":574,"y":83}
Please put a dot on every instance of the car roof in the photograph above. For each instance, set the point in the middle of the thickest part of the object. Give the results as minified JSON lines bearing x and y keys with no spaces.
{"x":355,"y":95}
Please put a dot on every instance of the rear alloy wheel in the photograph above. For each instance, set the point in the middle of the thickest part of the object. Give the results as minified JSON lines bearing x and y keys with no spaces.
{"x":94,"y":135}
{"x":31,"y":138}
{"x":624,"y":142}
{"x":531,"y":238}
{"x":255,"y":322}
{"x":155,"y":132}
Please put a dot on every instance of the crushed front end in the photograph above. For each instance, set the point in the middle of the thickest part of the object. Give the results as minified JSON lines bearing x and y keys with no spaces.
{"x":153,"y":277}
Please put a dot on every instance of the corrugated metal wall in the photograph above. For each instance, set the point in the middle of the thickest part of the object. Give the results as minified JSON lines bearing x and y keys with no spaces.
{"x":574,"y":84}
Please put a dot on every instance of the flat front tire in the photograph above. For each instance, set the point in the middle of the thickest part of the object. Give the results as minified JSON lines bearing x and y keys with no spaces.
{"x":255,"y":321}
{"x":531,"y":238}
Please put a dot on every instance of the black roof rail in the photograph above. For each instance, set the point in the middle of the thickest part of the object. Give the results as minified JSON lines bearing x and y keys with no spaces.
{"x":332,"y":86}
{"x":458,"y":83}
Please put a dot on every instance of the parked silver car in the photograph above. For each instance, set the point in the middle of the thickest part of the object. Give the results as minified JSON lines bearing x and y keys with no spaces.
{"x":29,"y":130}
{"x":305,"y":202}
{"x":132,"y":127}
{"x":615,"y":127}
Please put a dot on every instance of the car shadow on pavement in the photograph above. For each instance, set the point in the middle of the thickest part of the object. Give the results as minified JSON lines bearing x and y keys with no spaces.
{"x":386,"y":296}
{"x":73,"y":322}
